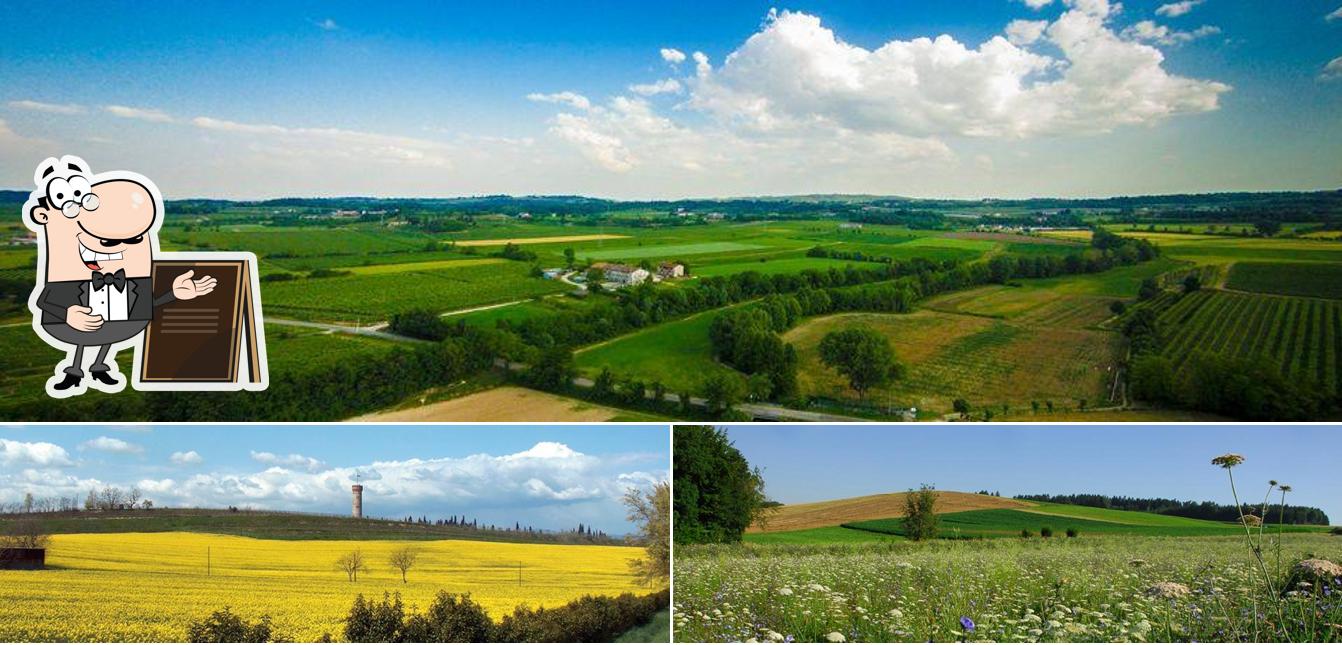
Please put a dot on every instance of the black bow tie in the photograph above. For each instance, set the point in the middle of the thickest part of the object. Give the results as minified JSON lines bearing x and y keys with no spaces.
{"x":101,"y":280}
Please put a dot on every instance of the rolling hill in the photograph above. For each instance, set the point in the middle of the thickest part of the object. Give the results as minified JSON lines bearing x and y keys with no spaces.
{"x":967,"y":515}
{"x":276,"y":525}
{"x":794,"y":517}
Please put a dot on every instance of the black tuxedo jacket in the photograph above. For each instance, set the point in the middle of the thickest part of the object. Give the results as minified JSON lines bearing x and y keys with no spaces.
{"x":57,"y":297}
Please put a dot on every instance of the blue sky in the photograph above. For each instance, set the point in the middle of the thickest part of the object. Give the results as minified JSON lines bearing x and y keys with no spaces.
{"x":966,"y":99}
{"x":551,"y":477}
{"x":807,"y":464}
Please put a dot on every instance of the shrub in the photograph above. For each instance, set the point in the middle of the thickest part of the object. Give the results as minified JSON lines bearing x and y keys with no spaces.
{"x":224,"y":626}
{"x":920,"y":518}
{"x":1025,"y":533}
{"x":450,"y":619}
{"x":1336,"y":530}
{"x":458,"y":619}
{"x":1071,"y":532}
{"x":1046,"y":531}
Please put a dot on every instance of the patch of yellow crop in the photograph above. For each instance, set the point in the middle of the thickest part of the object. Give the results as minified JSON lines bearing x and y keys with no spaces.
{"x":149,"y":586}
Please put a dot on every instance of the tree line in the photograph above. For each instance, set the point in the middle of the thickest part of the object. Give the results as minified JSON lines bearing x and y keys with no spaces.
{"x":1290,"y":514}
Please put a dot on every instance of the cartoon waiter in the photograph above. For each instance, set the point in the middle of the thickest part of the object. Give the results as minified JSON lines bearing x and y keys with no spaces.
{"x":94,"y":293}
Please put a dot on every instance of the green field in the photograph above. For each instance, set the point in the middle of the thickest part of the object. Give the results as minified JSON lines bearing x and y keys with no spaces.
{"x":772,"y":266}
{"x":1002,"y":523}
{"x":677,"y":353}
{"x":666,"y":252}
{"x":1314,"y":279}
{"x":1301,"y":336}
{"x":1008,"y":523}
{"x":988,"y":362}
{"x":376,"y":297}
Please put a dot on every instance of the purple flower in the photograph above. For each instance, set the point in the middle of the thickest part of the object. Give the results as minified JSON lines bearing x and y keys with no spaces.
{"x":966,"y":623}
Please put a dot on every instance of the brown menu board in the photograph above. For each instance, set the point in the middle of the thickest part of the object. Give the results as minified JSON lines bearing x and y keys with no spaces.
{"x":208,"y":339}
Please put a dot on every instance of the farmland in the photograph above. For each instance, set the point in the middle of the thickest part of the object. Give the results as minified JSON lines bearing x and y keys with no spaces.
{"x":1006,"y":345}
{"x":148,"y":586}
{"x":1302,"y":336}
{"x":878,"y":518}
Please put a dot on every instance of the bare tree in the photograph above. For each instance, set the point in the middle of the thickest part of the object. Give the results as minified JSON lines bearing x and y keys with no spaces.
{"x":403,"y":559}
{"x":134,"y":497}
{"x":25,"y":534}
{"x":352,"y":563}
{"x":651,"y":512}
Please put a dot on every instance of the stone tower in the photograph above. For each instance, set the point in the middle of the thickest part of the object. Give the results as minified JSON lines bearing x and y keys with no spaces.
{"x":358,"y":500}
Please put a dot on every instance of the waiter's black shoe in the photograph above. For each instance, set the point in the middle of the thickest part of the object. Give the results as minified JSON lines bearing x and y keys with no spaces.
{"x":103,"y":376}
{"x":70,"y":381}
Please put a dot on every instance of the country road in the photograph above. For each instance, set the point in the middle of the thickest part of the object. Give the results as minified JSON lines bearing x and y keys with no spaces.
{"x":373,"y":331}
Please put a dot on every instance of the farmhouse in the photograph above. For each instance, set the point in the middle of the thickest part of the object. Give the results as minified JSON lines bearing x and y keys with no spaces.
{"x":552,"y":274}
{"x":670,"y":270}
{"x":621,"y":274}
{"x":856,"y":226}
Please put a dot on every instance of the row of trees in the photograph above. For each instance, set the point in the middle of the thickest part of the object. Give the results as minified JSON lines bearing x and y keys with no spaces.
{"x":110,"y":498}
{"x":1183,"y":508}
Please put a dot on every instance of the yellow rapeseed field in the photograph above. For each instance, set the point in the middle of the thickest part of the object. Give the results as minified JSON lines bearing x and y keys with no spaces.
{"x":148,"y":586}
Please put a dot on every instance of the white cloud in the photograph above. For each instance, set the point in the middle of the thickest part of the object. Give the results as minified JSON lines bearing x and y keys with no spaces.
{"x":111,"y":444}
{"x":1332,"y":71}
{"x":564,"y":98}
{"x":664,"y":86}
{"x":673,"y":56}
{"x":547,"y":473}
{"x":186,"y":458}
{"x":796,"y":71}
{"x":36,"y":453}
{"x":142,"y":114}
{"x":1176,"y":9}
{"x":1025,"y":32}
{"x":327,"y":25}
{"x":1037,"y":4}
{"x":1150,"y":31}
{"x":295,"y":460}
{"x":1335,"y":15}
{"x":49,"y":108}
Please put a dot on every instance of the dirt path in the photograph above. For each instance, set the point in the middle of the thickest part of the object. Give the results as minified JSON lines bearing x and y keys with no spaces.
{"x":500,"y":404}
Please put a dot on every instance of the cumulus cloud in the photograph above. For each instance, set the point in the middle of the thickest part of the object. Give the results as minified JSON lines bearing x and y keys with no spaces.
{"x":796,"y":70}
{"x":1335,"y":15}
{"x":293,"y":460}
{"x":327,"y":25}
{"x":673,"y":56}
{"x":547,"y":473}
{"x":1176,"y":9}
{"x":565,"y":98}
{"x":1037,"y":4}
{"x":111,"y":444}
{"x":14,"y":454}
{"x":1333,"y":70}
{"x":1025,"y":32}
{"x":186,"y":458}
{"x":141,"y":114}
{"x":1149,"y":31}
{"x":49,"y":108}
{"x":664,"y":86}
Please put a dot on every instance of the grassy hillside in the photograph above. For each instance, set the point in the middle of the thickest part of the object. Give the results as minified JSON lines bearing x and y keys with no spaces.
{"x":794,"y":517}
{"x":964,"y":515}
{"x":263,"y":525}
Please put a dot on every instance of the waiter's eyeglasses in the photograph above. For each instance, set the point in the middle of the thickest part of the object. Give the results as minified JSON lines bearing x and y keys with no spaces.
{"x":71,"y":208}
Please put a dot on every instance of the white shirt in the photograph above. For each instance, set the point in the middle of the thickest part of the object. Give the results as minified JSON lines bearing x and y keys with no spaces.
{"x":108,"y":302}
